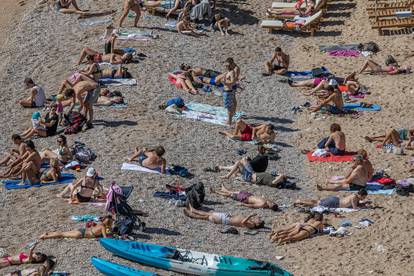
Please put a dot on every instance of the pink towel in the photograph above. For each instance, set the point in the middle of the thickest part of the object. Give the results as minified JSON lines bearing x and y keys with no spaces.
{"x":344,"y":53}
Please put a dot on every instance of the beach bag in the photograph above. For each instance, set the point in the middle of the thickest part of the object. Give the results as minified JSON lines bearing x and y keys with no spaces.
{"x":74,"y":122}
{"x":82,"y":153}
{"x":195,"y":194}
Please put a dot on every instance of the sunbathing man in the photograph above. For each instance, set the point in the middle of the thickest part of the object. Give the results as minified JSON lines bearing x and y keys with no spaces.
{"x":150,"y":158}
{"x":98,"y":57}
{"x":30,"y":167}
{"x":247,"y":199}
{"x":91,"y":231}
{"x":335,"y":143}
{"x":251,"y":222}
{"x":133,"y":5}
{"x":37,"y":96}
{"x":23,"y":258}
{"x":263,"y":133}
{"x":282,"y":63}
{"x":356,"y":180}
{"x":312,"y":225}
{"x":394,"y":137}
{"x":14,"y":154}
{"x":85,"y":189}
{"x":352,"y":201}
{"x":334,"y":103}
{"x":366,"y":163}
{"x":391,"y":68}
{"x":14,"y":167}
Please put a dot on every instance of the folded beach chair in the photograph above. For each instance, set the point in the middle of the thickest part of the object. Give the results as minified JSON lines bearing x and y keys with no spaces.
{"x":283,"y":14}
{"x":309,"y":24}
{"x":393,"y":23}
{"x":391,"y":5}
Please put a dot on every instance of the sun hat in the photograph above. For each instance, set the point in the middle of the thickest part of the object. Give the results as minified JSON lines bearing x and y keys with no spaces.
{"x":91,"y":172}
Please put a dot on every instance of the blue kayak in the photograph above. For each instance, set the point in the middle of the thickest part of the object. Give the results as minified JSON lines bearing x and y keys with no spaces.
{"x":188,"y":261}
{"x":114,"y":269}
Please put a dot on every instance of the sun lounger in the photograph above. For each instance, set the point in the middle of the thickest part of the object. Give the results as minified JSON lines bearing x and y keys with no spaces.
{"x":392,"y":5}
{"x":283,"y":14}
{"x":310,"y":24}
{"x":393,"y":23}
{"x":389,"y":13}
{"x":283,"y":5}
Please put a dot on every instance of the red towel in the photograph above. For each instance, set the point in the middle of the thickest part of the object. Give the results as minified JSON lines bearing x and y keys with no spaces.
{"x":347,"y":157}
{"x":172,"y":79}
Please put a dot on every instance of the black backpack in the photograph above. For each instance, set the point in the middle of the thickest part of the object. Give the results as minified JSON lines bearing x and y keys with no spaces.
{"x":195,"y":194}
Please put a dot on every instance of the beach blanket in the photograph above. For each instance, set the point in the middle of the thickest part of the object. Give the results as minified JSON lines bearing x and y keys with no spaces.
{"x":118,"y":82}
{"x":339,"y":47}
{"x":134,"y":34}
{"x":208,"y":113}
{"x":358,"y":107}
{"x":347,"y":157}
{"x":138,"y":168}
{"x":65,"y":178}
{"x":322,"y":209}
{"x":344,"y":53}
{"x":95,"y":21}
{"x":375,"y":188}
{"x":304,"y":75}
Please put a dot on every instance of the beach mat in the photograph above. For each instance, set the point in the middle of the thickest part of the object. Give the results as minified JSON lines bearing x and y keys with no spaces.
{"x":208,"y":113}
{"x":118,"y":82}
{"x":347,"y":157}
{"x":66,"y":178}
{"x":358,"y":107}
{"x":375,"y":188}
{"x":138,"y":168}
{"x":304,"y":75}
{"x":338,"y":47}
{"x":134,"y":34}
{"x":95,"y":22}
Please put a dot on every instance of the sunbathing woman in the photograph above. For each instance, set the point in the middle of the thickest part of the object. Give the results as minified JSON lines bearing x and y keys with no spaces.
{"x":150,"y":158}
{"x":43,"y":270}
{"x":133,"y":5}
{"x":50,"y":122}
{"x":14,"y":168}
{"x":263,"y":133}
{"x":15,"y":153}
{"x":185,"y":79}
{"x":91,"y":231}
{"x":108,"y":98}
{"x":22,"y":258}
{"x":53,"y":173}
{"x":252,"y":221}
{"x":62,"y":153}
{"x":299,"y":231}
{"x":246,"y":199}
{"x":394,"y":137}
{"x":98,"y":57}
{"x":391,"y":68}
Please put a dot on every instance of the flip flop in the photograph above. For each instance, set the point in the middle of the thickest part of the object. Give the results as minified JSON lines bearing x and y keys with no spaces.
{"x":231,"y":230}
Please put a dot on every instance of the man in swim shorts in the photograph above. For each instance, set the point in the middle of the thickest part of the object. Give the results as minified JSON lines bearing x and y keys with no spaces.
{"x":263,"y":133}
{"x":394,"y":137}
{"x":279,"y":63}
{"x":335,"y":143}
{"x":353,"y":201}
{"x":150,"y":158}
{"x":333,"y":104}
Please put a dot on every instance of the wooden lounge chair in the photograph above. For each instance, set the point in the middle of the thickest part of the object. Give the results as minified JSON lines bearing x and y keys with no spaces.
{"x":386,"y":13}
{"x":311,"y":24}
{"x":392,"y":5}
{"x":393,"y":23}
{"x":280,"y":14}
{"x":282,"y":5}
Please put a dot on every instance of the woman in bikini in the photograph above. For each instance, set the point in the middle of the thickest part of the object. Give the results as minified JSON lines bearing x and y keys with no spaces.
{"x":91,"y":231}
{"x":42,"y":270}
{"x":23,"y":258}
{"x":53,"y":173}
{"x":299,"y":231}
{"x":62,"y":153}
{"x":98,"y":57}
{"x":133,"y":5}
{"x":251,"y":222}
{"x":392,"y":67}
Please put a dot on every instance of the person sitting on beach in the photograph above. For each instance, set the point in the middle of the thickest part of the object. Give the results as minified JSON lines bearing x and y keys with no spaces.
{"x":98,"y":57}
{"x":37,"y":96}
{"x":186,"y":79}
{"x":352,"y":201}
{"x":394,"y":137}
{"x":63,"y":6}
{"x":62,"y":153}
{"x":392,"y":67}
{"x":334,"y":103}
{"x":133,"y":5}
{"x":108,"y":98}
{"x":335,"y":143}
{"x":47,"y":125}
{"x":44,"y":269}
{"x":14,"y":154}
{"x":251,"y":222}
{"x":312,"y":225}
{"x":53,"y":173}
{"x":278,"y":64}
{"x":150,"y":158}
{"x":178,"y":5}
{"x":247,"y":199}
{"x":220,"y":23}
{"x":85,"y":189}
{"x":355,"y":180}
{"x":244,"y":132}
{"x":91,"y":230}
{"x":30,"y":166}
{"x":22,"y":258}
{"x":14,"y":168}
{"x":185,"y":27}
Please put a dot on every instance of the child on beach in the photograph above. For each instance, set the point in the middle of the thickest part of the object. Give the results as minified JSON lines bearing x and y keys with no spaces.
{"x":220,"y":23}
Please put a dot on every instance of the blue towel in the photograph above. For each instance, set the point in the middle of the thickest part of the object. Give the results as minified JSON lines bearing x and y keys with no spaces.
{"x":376,"y":189}
{"x":129,"y":50}
{"x":66,"y":178}
{"x":357,"y":107}
{"x":304,"y":75}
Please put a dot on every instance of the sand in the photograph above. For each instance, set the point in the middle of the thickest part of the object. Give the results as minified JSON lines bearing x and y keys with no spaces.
{"x":45,"y":45}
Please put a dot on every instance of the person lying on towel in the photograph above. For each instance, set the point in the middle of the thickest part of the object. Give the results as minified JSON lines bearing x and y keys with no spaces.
{"x":354,"y":201}
{"x":357,"y":178}
{"x":311,"y":226}
{"x":335,"y":142}
{"x":246,"y":199}
{"x":334,"y":103}
{"x":264,"y":133}
{"x":251,"y":222}
{"x":150,"y":158}
{"x":391,"y":67}
{"x":100,"y":57}
{"x":394,"y":137}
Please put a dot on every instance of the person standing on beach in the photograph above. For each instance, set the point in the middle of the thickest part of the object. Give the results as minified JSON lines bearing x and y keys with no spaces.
{"x":281,"y":65}
{"x":229,"y":81}
{"x":135,"y":6}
